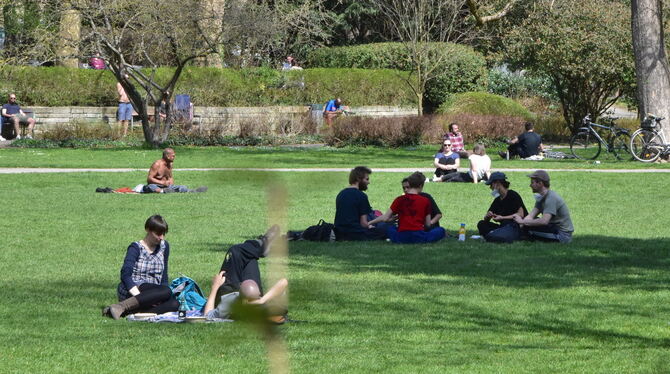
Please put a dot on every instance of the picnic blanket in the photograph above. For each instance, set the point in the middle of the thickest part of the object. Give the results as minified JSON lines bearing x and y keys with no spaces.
{"x":126,"y":190}
{"x":173,"y":317}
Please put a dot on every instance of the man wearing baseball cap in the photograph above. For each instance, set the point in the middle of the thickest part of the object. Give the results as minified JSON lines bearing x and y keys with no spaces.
{"x":506,"y":204}
{"x":553,"y":223}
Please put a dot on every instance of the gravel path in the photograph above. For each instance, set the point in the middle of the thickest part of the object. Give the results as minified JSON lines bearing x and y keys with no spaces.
{"x":376,"y":170}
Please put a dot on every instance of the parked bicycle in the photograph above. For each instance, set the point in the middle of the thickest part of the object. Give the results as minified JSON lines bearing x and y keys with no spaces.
{"x":648,"y":142}
{"x":587,"y":142}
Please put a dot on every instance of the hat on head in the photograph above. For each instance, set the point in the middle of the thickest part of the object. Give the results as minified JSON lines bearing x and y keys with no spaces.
{"x":540,"y":174}
{"x":496,"y":176}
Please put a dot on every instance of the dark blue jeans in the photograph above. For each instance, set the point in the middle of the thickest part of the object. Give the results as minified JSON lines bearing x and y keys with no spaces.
{"x":431,"y":236}
{"x":505,"y":232}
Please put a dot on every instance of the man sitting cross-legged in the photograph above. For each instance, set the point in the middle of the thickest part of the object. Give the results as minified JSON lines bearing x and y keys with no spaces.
{"x":240,"y":280}
{"x":413,"y":212}
{"x":160,"y":178}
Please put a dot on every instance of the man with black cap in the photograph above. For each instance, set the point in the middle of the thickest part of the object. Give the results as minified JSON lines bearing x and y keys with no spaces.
{"x":505,"y":206}
{"x":554,"y":224}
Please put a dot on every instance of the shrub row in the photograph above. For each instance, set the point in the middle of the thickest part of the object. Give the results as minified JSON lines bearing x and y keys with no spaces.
{"x":59,"y":86}
{"x":461,"y":69}
{"x":483,"y":103}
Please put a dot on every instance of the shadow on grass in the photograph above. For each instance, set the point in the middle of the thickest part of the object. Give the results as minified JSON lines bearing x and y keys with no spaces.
{"x":589,"y":260}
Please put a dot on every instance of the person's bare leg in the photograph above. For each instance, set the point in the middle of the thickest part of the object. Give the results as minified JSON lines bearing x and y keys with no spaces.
{"x":31,"y":127}
{"x":17,"y":127}
{"x":124,"y":128}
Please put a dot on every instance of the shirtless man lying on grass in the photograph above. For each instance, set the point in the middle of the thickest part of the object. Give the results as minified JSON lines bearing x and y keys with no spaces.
{"x":160,"y":178}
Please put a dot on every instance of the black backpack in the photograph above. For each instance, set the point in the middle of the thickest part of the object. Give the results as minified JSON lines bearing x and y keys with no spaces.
{"x":321,"y":232}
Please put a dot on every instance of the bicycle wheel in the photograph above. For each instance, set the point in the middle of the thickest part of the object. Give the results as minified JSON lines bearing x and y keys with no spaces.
{"x":585,"y":145}
{"x":621,"y":146}
{"x":646,"y":145}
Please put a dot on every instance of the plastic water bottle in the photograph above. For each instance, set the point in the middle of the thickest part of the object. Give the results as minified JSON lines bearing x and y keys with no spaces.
{"x":461,"y":233}
{"x":182,"y":308}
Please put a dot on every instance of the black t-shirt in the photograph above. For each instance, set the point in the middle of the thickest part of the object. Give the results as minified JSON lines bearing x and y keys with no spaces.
{"x":350,"y":204}
{"x":529,"y":144}
{"x":434,"y":209}
{"x":509,"y":205}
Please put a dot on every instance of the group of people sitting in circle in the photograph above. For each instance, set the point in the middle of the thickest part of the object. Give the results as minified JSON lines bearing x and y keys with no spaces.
{"x":144,"y":286}
{"x":414,"y":216}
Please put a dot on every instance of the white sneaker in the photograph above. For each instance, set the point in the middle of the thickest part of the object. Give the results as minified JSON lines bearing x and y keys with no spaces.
{"x":18,"y":137}
{"x":2,"y":139}
{"x":29,"y":137}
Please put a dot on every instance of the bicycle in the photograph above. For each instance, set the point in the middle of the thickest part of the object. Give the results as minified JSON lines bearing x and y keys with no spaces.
{"x":587,"y":142}
{"x":648,"y":142}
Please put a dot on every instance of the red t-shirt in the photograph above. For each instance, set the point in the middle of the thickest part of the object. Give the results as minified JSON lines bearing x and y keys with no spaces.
{"x":412,"y":211}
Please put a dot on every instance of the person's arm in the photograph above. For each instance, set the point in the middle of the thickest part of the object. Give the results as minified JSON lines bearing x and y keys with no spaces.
{"x":152,"y":178}
{"x":473,"y":170}
{"x":166,"y":255}
{"x":438,"y":165}
{"x":457,"y":163}
{"x":277,"y":290}
{"x":514,"y":140}
{"x":542,"y":221}
{"x":383,"y":218}
{"x":218,"y":281}
{"x":435,"y":220}
{"x":497,"y":217}
{"x":132,"y":254}
{"x":4,"y":113}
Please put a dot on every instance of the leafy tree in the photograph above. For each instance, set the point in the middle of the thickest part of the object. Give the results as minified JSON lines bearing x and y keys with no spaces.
{"x":150,"y":32}
{"x":584,"y":47}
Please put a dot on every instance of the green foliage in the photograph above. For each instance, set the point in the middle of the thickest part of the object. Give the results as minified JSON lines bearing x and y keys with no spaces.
{"x":60,"y":86}
{"x":484,"y":103}
{"x":462,"y":69}
{"x":584,"y":46}
{"x":505,"y":83}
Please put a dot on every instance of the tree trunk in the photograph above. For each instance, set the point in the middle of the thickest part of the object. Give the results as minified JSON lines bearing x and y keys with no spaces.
{"x":69,"y":35}
{"x":651,"y":62}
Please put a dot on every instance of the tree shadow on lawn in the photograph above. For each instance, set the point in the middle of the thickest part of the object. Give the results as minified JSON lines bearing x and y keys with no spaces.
{"x":603,"y":261}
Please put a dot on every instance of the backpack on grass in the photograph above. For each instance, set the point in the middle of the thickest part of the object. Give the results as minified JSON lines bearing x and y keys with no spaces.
{"x":187,"y":289}
{"x":321,"y":232}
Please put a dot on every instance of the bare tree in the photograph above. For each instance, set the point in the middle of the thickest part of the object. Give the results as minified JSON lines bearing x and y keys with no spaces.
{"x":651,"y":62}
{"x":151,"y":32}
{"x":481,"y":20}
{"x":419,"y":24}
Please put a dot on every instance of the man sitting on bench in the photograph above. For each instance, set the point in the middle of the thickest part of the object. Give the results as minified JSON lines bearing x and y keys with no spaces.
{"x":12,"y":114}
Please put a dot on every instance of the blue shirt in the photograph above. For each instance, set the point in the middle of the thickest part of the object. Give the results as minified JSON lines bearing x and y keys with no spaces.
{"x":453,"y":155}
{"x":332,"y":106}
{"x":350,"y":204}
{"x":11,"y":108}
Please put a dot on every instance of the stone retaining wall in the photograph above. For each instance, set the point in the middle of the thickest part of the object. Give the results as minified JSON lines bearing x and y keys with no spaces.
{"x":208,"y":117}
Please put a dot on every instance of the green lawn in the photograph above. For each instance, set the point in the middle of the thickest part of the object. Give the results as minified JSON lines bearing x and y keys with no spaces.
{"x":277,"y":157}
{"x":597,"y":305}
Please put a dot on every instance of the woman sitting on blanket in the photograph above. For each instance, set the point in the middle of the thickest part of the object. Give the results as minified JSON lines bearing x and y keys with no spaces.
{"x":144,"y":275}
{"x":480,"y":168}
{"x":446,"y":162}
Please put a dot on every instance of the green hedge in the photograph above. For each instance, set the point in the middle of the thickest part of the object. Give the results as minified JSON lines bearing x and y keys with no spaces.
{"x":483,"y":103}
{"x":58,"y":86}
{"x":462,"y":68}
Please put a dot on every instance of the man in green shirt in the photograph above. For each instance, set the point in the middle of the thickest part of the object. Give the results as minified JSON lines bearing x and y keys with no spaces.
{"x":550,"y":218}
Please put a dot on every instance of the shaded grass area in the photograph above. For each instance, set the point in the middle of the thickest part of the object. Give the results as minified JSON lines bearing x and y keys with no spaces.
{"x":279,"y":157}
{"x":599,"y":304}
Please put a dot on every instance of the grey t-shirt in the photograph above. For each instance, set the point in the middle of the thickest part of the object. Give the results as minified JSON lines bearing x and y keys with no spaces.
{"x":225,"y":306}
{"x":554,"y":204}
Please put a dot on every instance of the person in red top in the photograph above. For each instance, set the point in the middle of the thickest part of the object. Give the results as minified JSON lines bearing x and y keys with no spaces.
{"x":413,"y":211}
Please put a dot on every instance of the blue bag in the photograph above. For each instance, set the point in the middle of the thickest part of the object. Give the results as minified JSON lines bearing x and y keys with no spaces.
{"x":186,"y":289}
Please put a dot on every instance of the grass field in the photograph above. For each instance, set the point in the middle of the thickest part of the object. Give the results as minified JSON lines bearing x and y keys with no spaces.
{"x":597,"y":305}
{"x":279,"y":157}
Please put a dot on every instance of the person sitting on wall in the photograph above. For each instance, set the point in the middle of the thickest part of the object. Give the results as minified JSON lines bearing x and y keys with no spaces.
{"x":13,"y":115}
{"x":332,"y":110}
{"x":413,"y":211}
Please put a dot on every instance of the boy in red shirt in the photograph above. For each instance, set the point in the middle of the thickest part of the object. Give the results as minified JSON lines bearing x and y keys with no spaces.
{"x":413,"y":211}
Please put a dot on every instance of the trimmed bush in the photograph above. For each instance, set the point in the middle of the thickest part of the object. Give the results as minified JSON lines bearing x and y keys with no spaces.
{"x":58,"y":86}
{"x":385,"y":131}
{"x":463,"y":69}
{"x":483,"y":103}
